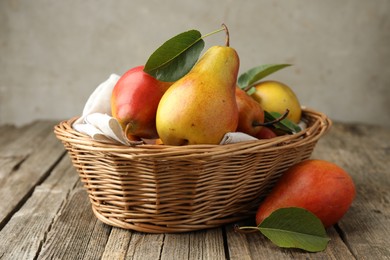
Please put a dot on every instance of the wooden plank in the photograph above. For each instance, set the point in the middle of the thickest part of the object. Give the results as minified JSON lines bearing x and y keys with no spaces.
{"x":26,"y":231}
{"x":363,"y":151}
{"x":8,"y":133}
{"x":10,"y":164}
{"x":177,"y":245}
{"x":117,"y":244}
{"x":17,"y":143}
{"x":21,"y":140}
{"x":25,"y":165}
{"x":97,"y":241}
{"x":75,"y":230}
{"x":203,"y":244}
{"x":210,"y":242}
{"x":142,"y":246}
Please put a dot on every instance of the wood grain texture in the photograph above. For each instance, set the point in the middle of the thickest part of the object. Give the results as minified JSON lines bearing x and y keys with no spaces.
{"x":26,"y":160}
{"x":73,"y":230}
{"x":26,"y":232}
{"x":203,"y":244}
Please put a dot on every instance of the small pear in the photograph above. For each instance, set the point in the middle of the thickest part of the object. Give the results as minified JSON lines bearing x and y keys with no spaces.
{"x":250,"y":114}
{"x":274,"y":96}
{"x":200,"y":108}
{"x":266,"y":133}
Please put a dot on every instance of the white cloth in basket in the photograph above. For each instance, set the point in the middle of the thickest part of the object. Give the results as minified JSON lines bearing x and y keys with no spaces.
{"x":96,"y":120}
{"x":236,"y":137}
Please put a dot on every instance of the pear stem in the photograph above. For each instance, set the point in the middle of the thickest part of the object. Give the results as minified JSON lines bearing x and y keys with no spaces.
{"x":245,"y":230}
{"x":227,"y":34}
{"x":270,"y":123}
{"x":247,"y":88}
{"x":213,"y":32}
{"x":224,"y":28}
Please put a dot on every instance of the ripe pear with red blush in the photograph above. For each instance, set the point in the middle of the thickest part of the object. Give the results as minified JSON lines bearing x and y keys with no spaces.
{"x":134,"y":102}
{"x":266,"y":133}
{"x":250,"y":114}
{"x":319,"y":186}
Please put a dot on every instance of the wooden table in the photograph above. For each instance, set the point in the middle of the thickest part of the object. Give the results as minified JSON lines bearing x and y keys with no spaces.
{"x":45,"y":212}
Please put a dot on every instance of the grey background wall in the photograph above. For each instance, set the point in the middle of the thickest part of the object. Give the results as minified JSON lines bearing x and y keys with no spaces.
{"x":54,"y":53}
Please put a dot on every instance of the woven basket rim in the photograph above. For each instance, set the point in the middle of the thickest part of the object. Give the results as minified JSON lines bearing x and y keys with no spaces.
{"x":318,"y":125}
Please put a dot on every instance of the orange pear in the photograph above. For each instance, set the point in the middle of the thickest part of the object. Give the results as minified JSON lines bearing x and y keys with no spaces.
{"x":250,"y":114}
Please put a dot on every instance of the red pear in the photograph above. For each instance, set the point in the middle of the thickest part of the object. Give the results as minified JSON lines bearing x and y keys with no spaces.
{"x":134,"y":102}
{"x":250,"y":113}
{"x":318,"y":186}
{"x":266,"y":133}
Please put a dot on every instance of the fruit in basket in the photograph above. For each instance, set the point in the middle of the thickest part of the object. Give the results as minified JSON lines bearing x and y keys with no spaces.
{"x":266,"y":133}
{"x":275,"y":96}
{"x":134,"y":102}
{"x":200,"y":108}
{"x":250,"y":114}
{"x":318,"y":186}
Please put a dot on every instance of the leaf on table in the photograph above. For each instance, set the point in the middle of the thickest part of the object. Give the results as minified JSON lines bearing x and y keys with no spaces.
{"x":295,"y":228}
{"x":175,"y":58}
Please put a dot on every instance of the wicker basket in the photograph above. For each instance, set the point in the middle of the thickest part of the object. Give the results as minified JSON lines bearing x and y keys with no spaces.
{"x":170,"y":189}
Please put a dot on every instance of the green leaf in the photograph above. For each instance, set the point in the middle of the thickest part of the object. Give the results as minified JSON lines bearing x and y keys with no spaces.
{"x":257,"y":73}
{"x":285,"y":125}
{"x":175,"y":58}
{"x":250,"y":91}
{"x":295,"y":228}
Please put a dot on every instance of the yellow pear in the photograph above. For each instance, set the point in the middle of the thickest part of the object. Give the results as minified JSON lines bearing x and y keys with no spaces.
{"x":275,"y":96}
{"x":200,"y":108}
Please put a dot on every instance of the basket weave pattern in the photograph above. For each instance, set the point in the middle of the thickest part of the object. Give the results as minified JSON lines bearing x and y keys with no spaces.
{"x":157,"y":188}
